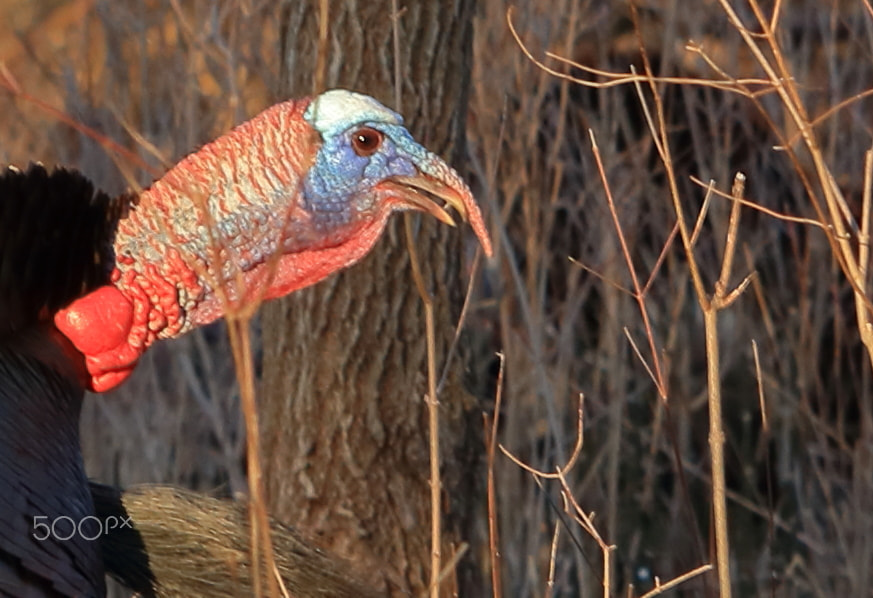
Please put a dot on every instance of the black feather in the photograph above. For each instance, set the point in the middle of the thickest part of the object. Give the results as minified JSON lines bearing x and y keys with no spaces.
{"x":56,"y":233}
{"x":42,"y":477}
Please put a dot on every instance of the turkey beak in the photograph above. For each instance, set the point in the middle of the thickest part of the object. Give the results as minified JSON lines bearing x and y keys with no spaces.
{"x":422,"y":193}
{"x":432,"y":194}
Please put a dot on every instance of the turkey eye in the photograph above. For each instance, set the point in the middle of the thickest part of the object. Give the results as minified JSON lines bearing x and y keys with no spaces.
{"x":366,"y":141}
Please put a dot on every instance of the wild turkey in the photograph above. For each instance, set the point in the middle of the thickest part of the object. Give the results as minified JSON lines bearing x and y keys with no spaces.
{"x":311,"y":181}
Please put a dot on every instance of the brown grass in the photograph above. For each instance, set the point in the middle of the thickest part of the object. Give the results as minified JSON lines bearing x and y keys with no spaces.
{"x":612,"y":265}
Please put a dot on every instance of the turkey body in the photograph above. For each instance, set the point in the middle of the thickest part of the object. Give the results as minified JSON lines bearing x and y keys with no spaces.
{"x":55,"y":235}
{"x":49,"y":537}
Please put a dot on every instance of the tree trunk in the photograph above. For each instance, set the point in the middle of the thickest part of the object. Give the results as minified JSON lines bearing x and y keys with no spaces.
{"x":344,"y":422}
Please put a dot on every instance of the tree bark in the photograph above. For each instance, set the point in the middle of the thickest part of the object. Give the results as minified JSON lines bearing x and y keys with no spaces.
{"x":344,"y":422}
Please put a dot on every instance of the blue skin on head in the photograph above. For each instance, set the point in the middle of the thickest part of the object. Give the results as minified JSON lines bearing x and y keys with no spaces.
{"x":339,"y":186}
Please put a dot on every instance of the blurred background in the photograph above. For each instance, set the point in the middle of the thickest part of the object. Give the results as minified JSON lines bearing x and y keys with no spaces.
{"x":161,"y":77}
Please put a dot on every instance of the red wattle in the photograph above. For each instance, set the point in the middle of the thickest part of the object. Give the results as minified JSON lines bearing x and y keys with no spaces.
{"x":97,"y":322}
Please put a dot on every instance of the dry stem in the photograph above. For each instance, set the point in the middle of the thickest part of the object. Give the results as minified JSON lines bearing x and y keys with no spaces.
{"x":240,"y":340}
{"x":432,"y":412}
{"x":493,"y":537}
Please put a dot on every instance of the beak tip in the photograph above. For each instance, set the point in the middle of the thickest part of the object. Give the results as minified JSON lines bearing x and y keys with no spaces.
{"x":453,"y":192}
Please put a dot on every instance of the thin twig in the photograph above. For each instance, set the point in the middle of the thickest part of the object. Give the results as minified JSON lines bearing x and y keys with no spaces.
{"x":601,"y":277}
{"x":865,"y":326}
{"x":462,"y":319}
{"x":587,"y":522}
{"x":701,"y":217}
{"x":616,"y":79}
{"x":780,"y":76}
{"x":638,"y":295}
{"x":432,"y":409}
{"x":762,"y":404}
{"x":660,"y":588}
{"x":448,"y":568}
{"x":550,"y":582}
{"x":571,"y":462}
{"x":493,"y":537}
{"x":661,"y":257}
{"x":240,"y":340}
{"x":433,"y":416}
{"x":764,"y":210}
{"x":720,"y":299}
{"x":731,"y":241}
{"x":319,"y":77}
